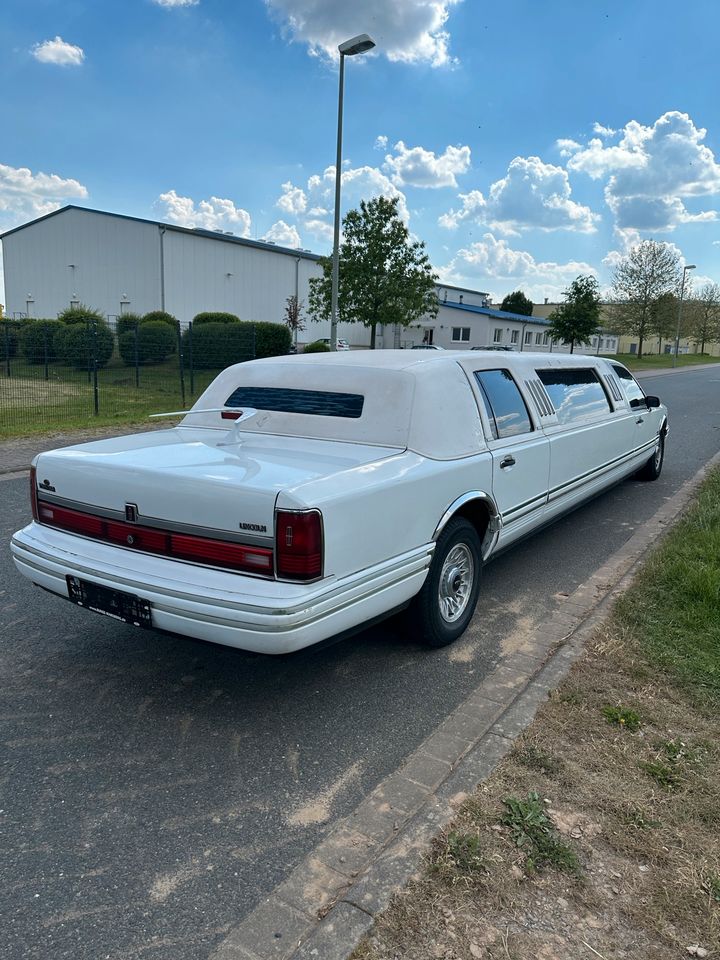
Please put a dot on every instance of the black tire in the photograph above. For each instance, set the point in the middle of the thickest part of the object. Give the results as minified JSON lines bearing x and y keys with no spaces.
{"x":431,"y":618}
{"x":653,"y":468}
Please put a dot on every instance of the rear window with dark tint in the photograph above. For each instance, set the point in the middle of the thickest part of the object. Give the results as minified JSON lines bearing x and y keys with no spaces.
{"x":506,"y":408}
{"x":319,"y":403}
{"x":575,"y":394}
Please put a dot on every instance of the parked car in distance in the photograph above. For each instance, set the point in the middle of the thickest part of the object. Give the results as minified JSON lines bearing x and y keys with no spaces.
{"x":426,"y":346}
{"x":304,"y":497}
{"x":495,"y":346}
{"x":341,"y":344}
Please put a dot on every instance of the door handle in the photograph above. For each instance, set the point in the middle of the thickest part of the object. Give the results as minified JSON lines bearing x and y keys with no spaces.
{"x":507,"y":462}
{"x":639,"y":420}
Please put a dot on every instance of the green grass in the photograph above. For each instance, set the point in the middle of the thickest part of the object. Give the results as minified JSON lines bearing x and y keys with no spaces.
{"x":627,"y":719}
{"x":663,"y":360}
{"x":674,"y":609}
{"x":30,"y":404}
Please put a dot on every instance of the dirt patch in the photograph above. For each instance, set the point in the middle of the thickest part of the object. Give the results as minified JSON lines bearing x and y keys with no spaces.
{"x":637,"y":810}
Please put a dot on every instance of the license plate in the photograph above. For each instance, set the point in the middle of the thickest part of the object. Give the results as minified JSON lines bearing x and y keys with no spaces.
{"x":125,"y":607}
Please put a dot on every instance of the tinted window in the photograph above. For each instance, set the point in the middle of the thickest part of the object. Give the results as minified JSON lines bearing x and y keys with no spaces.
{"x":319,"y":403}
{"x":632,"y":388}
{"x":575,"y":394}
{"x":506,"y":408}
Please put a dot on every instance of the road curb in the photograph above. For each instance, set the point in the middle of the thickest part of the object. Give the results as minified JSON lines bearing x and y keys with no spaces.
{"x":322,"y":910}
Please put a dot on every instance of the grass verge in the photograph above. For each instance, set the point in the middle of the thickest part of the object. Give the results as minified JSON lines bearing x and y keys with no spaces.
{"x":664,"y":360}
{"x":599,"y":835}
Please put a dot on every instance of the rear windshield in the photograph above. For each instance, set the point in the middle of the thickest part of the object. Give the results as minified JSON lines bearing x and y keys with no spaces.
{"x":319,"y":403}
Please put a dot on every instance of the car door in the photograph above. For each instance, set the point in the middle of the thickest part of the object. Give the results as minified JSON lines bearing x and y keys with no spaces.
{"x":520,"y":453}
{"x":592,"y":439}
{"x":645,"y":422}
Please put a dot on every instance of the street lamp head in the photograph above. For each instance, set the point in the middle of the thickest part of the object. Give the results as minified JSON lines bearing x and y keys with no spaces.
{"x":359,"y":44}
{"x":689,"y":266}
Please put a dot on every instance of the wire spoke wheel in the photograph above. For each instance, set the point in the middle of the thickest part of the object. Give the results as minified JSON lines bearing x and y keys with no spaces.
{"x":456,"y":583}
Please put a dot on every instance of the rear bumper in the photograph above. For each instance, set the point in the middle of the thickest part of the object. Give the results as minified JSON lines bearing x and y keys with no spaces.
{"x":264,"y":616}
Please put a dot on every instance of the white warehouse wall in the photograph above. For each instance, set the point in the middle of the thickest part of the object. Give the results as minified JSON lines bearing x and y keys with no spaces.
{"x":110,"y":256}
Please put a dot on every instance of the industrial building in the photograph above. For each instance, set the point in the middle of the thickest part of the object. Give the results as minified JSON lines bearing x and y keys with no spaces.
{"x":119,"y":264}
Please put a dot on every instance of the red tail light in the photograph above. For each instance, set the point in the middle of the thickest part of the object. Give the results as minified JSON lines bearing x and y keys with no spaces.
{"x":33,"y":493}
{"x":299,"y":544}
{"x":220,"y":553}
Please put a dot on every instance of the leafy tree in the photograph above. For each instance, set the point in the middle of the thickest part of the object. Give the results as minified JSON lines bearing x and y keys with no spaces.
{"x":663,"y":317}
{"x":648,"y":271}
{"x":385,"y":278}
{"x":517,"y":302}
{"x":704,"y":316}
{"x":577,"y":319}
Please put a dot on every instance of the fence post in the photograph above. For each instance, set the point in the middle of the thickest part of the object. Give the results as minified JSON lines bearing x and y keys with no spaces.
{"x":96,"y":397}
{"x":137,"y":354}
{"x":180,"y":360}
{"x":45,"y":349}
{"x":190,"y":358}
{"x":6,"y":325}
{"x":254,"y":342}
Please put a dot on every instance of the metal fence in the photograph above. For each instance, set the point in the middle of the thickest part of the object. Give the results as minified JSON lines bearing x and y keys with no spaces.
{"x":96,"y":372}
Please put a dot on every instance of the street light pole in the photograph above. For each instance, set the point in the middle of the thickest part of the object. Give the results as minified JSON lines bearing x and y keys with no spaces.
{"x":349,"y":48}
{"x":688,"y":266}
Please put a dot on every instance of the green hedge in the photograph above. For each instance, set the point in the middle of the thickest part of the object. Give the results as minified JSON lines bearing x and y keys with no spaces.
{"x":80,"y":314}
{"x":218,"y":345}
{"x":317,"y":346}
{"x":125,"y":322}
{"x":76,"y":343}
{"x":201,"y":318}
{"x":9,"y":332}
{"x":159,"y":316}
{"x":272,"y":340}
{"x":155,"y":342}
{"x":35,"y":336}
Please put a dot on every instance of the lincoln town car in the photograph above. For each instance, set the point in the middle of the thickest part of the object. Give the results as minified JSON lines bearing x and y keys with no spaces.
{"x":305,"y":497}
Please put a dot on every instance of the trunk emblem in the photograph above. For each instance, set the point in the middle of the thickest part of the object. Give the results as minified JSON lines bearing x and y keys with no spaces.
{"x":131,"y":513}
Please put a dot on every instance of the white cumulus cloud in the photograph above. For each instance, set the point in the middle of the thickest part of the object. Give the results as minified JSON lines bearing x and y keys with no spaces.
{"x":283,"y":234}
{"x":169,"y":4}
{"x":25,"y":195}
{"x":418,"y":167}
{"x":59,"y":52}
{"x":532,"y":194}
{"x":651,"y":170}
{"x":568,"y":147}
{"x":212,"y":214}
{"x":492,"y":262}
{"x":603,"y":131}
{"x":381,"y":142}
{"x":292,"y":199}
{"x":410,"y":31}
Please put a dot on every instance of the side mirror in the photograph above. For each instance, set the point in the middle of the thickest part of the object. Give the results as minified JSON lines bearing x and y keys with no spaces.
{"x":652,"y":402}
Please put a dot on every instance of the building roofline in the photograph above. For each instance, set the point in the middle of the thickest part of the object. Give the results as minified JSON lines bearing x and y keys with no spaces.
{"x":194,"y":231}
{"x":450,"y":286}
{"x":497,"y":314}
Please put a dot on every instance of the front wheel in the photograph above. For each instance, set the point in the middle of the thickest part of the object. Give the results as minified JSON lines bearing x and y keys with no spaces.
{"x":441,"y":612}
{"x":653,"y":468}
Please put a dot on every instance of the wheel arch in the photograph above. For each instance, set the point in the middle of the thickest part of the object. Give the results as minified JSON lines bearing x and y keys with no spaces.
{"x":479,"y":508}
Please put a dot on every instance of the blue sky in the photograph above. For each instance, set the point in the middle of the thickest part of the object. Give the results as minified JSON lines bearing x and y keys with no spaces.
{"x":527,"y":142}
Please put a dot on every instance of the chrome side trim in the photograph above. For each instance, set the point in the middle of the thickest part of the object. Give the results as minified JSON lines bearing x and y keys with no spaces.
{"x":494,"y":526}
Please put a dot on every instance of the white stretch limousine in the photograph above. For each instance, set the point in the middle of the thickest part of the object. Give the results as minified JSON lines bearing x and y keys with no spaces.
{"x":303,"y":497}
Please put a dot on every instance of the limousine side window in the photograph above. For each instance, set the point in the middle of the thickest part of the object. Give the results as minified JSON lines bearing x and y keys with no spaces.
{"x":575,"y":394}
{"x":633,"y":390}
{"x":506,"y":408}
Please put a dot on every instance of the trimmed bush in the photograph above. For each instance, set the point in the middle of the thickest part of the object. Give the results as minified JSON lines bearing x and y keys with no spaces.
{"x":80,"y":314}
{"x":155,"y":342}
{"x":9,"y":332}
{"x":201,"y":318}
{"x":218,"y":345}
{"x":125,"y":322}
{"x":34,"y":337}
{"x":77,"y":341}
{"x":272,"y":340}
{"x":316,"y":347}
{"x":159,"y":316}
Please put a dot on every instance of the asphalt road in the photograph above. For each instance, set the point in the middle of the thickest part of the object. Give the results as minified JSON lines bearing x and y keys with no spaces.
{"x":153,"y":788}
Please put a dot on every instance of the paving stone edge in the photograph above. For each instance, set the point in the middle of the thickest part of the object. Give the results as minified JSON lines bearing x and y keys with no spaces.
{"x":326,"y":905}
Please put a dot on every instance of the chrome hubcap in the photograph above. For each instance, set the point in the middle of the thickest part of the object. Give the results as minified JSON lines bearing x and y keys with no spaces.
{"x":658,"y":455}
{"x":456,"y":580}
